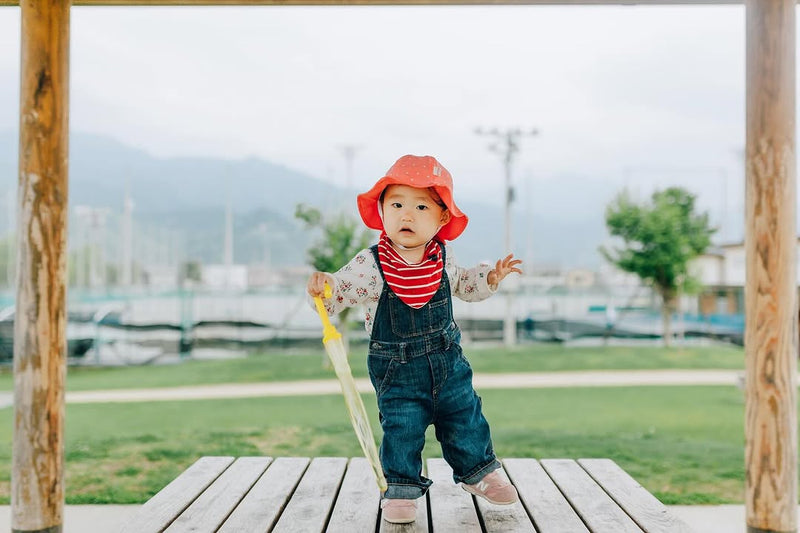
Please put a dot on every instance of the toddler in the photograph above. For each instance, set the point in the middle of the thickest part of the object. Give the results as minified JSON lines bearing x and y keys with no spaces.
{"x":421,"y":377}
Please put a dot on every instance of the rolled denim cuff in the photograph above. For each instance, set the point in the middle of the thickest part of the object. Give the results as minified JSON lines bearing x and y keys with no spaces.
{"x":405,"y":489}
{"x":479,"y":473}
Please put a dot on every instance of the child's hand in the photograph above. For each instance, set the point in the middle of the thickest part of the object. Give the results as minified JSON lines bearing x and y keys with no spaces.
{"x":503,"y":268}
{"x":316,"y":284}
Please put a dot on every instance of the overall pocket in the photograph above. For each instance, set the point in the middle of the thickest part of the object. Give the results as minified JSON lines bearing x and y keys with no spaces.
{"x":409,"y":322}
{"x":381,"y":367}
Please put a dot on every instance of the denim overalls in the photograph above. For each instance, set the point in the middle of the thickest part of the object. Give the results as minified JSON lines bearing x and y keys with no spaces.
{"x":421,"y":377}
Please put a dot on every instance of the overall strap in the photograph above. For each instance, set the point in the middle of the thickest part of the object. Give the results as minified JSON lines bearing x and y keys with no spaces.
{"x":374,"y":250}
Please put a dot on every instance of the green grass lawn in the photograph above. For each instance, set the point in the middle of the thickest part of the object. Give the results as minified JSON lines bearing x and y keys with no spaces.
{"x":282,"y":365}
{"x":684,"y":444}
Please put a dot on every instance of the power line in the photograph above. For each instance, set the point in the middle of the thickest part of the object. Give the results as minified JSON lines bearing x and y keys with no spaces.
{"x":507,"y":144}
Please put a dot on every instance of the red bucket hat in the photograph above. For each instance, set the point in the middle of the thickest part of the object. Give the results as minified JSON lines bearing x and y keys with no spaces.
{"x":421,"y":172}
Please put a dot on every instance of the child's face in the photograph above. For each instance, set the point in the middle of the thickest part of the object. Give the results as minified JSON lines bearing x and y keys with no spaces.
{"x":412,"y":216}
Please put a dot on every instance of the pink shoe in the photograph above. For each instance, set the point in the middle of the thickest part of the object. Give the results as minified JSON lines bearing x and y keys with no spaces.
{"x":399,"y":511}
{"x":493,"y":488}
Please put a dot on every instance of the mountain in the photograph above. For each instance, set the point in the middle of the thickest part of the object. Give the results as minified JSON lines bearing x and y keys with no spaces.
{"x":179,"y":208}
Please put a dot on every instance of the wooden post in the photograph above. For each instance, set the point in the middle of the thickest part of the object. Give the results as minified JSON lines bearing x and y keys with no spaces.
{"x":771,"y":287}
{"x":37,"y":478}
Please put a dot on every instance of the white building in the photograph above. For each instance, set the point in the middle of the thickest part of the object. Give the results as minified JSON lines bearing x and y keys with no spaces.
{"x":224,"y":277}
{"x":722,"y":272}
{"x":161,"y":276}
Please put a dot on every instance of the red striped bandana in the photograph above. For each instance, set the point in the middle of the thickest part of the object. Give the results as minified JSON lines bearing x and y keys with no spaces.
{"x":413,"y":284}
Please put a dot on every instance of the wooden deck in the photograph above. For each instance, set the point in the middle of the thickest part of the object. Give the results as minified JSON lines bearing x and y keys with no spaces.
{"x":334,"y":494}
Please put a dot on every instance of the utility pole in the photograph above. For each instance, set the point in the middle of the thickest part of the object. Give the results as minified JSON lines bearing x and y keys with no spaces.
{"x":349,"y":152}
{"x":528,"y":221}
{"x":126,"y":278}
{"x":92,"y":231}
{"x":507,"y":145}
{"x":723,"y":223}
{"x":228,"y":245}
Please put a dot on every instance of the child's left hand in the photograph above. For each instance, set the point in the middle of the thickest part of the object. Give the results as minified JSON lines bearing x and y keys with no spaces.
{"x":503,"y":268}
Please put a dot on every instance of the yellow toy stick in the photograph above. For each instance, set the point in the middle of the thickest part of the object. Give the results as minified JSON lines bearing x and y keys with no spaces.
{"x":334,"y":346}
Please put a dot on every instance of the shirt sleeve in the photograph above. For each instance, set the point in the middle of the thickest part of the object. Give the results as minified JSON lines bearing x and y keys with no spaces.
{"x":354,"y":284}
{"x":468,"y":284}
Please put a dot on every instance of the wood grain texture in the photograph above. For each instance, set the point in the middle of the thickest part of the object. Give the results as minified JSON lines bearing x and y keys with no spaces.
{"x":207,"y":512}
{"x":312,"y":501}
{"x":37,"y":479}
{"x":160,"y":510}
{"x":259,"y":510}
{"x":357,"y":504}
{"x":771,"y":286}
{"x":645,"y":509}
{"x":258,"y":494}
{"x":596,"y":508}
{"x":548,"y":508}
{"x":452,"y":508}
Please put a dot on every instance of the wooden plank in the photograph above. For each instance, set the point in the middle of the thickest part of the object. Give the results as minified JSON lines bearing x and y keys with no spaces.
{"x":37,"y":470}
{"x":311,"y":503}
{"x":358,"y":501}
{"x":160,"y":510}
{"x":598,"y":511}
{"x":503,"y":518}
{"x":420,"y":525}
{"x":645,"y":509}
{"x":261,"y":507}
{"x":452,"y":508}
{"x":770,"y":271}
{"x":549,"y":509}
{"x":211,"y":508}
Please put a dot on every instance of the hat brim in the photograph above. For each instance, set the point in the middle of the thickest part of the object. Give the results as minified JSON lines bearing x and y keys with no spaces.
{"x":370,"y":214}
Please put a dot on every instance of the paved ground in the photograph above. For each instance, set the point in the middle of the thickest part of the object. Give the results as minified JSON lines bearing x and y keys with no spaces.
{"x":107,"y":518}
{"x":597,"y":378}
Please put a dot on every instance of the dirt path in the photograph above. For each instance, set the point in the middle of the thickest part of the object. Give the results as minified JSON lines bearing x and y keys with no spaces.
{"x":600,"y":378}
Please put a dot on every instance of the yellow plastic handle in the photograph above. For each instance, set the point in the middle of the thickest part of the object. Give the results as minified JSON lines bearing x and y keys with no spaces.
{"x":329,"y":331}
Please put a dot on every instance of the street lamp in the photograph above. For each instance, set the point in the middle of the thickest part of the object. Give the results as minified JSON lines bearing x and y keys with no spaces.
{"x":507,"y":145}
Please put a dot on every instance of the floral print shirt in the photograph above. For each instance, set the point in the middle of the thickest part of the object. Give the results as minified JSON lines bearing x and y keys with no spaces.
{"x":360,"y":282}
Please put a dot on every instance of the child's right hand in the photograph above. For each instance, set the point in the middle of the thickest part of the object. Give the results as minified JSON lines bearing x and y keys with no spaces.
{"x":504,"y":267}
{"x":316,"y":284}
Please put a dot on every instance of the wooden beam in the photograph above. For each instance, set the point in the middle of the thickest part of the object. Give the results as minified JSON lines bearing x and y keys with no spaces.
{"x":771,"y":285}
{"x":37,"y":478}
{"x":380,"y":2}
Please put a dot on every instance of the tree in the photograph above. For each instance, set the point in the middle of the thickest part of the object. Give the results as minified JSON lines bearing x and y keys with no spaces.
{"x":660,"y":238}
{"x":191,"y":270}
{"x":342,"y":238}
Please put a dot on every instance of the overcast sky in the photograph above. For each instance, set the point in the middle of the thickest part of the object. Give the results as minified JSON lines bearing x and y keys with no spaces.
{"x":643,"y":96}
